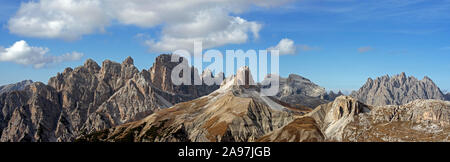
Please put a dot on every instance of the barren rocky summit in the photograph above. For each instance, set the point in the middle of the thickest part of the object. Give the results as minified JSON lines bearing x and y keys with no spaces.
{"x":397,"y":90}
{"x":15,"y":87}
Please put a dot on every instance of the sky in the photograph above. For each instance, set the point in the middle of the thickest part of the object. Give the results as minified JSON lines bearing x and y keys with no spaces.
{"x":337,"y":44}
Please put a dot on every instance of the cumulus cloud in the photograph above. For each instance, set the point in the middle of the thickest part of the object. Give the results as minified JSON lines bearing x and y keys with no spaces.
{"x":38,"y":57}
{"x":213,"y":22}
{"x":365,"y":49}
{"x":285,"y":47}
{"x":65,"y":19}
{"x":212,"y":28}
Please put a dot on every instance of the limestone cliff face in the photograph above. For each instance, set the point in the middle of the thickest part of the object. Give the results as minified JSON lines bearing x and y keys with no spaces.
{"x":86,"y":99}
{"x":161,"y":78}
{"x":235,"y":112}
{"x":30,"y":115}
{"x":333,"y":117}
{"x":397,"y":90}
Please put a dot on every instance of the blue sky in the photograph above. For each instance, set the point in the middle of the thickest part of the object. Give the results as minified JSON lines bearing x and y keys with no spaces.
{"x":339,"y":43}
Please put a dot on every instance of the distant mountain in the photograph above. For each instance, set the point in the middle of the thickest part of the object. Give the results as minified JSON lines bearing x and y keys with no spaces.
{"x":232,"y":113}
{"x":397,"y":90}
{"x":331,"y":96}
{"x":297,"y":90}
{"x":447,"y":96}
{"x":91,"y":98}
{"x":15,"y":87}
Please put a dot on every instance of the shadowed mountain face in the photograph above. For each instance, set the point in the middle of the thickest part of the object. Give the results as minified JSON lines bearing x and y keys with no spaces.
{"x":397,"y":90}
{"x":90,"y":98}
{"x":15,"y":87}
{"x":447,"y":96}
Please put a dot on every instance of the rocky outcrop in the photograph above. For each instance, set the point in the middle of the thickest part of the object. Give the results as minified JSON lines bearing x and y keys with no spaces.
{"x":447,"y":96}
{"x":347,"y":119}
{"x":397,"y":90}
{"x":420,"y":120}
{"x":304,"y":129}
{"x":297,"y":90}
{"x":235,"y":112}
{"x":15,"y":87}
{"x":89,"y":98}
{"x":333,"y":117}
{"x":161,"y":78}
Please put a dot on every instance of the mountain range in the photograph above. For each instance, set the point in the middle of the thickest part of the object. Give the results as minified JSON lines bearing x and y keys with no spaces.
{"x":236,"y":113}
{"x":117,"y":102}
{"x":397,"y":90}
{"x":91,"y":98}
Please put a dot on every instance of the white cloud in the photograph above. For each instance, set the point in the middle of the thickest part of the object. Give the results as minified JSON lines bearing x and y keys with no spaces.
{"x":22,"y":53}
{"x":286,"y":47}
{"x":365,"y":49}
{"x":213,"y":22}
{"x":65,"y":19}
{"x":212,"y":27}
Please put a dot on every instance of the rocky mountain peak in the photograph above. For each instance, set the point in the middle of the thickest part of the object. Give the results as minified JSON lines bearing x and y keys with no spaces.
{"x":161,"y":72}
{"x":397,"y":90}
{"x":296,"y":84}
{"x":91,"y":65}
{"x":128,"y":61}
{"x":427,"y":79}
{"x":331,"y":96}
{"x":295,"y":77}
{"x":207,"y":73}
{"x":334,"y":117}
{"x":403,"y":75}
{"x":15,"y":87}
{"x":244,"y":76}
{"x":300,"y":91}
{"x":107,"y":65}
{"x":25,"y":82}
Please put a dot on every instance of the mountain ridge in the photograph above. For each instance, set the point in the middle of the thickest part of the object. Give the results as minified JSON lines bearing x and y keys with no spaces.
{"x":235,"y":112}
{"x":15,"y":86}
{"x":86,"y":99}
{"x":397,"y":90}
